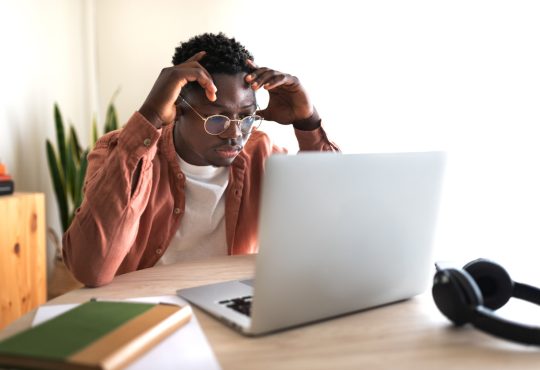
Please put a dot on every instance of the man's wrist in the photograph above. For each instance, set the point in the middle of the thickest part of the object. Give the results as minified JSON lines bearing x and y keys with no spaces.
{"x":308,"y":124}
{"x":151,"y":116}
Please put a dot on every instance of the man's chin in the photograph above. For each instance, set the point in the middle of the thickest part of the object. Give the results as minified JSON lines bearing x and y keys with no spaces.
{"x":222,"y":162}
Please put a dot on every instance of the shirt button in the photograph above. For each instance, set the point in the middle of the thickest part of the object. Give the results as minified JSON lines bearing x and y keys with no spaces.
{"x":180,"y":175}
{"x":177,"y":211}
{"x":147,"y":142}
{"x":159,"y":251}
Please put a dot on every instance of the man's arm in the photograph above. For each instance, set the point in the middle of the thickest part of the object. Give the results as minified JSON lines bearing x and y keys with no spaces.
{"x":116,"y":191}
{"x":118,"y":179}
{"x":311,"y":135}
{"x":289,"y":104}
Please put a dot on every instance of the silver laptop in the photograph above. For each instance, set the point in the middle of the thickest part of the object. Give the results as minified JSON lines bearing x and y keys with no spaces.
{"x":338,"y":233}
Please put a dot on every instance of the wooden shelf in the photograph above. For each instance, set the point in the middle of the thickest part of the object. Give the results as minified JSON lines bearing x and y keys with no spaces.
{"x":22,"y":255}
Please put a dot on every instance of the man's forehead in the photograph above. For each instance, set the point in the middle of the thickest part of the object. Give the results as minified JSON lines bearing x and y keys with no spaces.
{"x":232,"y":90}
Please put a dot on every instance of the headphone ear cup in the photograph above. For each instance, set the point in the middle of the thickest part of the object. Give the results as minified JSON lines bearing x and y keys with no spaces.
{"x":492,"y":280}
{"x":456,"y":295}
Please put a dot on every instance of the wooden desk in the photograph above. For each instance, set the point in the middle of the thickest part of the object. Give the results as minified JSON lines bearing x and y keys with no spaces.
{"x":407,"y":335}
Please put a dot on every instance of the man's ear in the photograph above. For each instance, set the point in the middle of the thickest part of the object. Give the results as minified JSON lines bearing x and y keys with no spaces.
{"x":178,"y":105}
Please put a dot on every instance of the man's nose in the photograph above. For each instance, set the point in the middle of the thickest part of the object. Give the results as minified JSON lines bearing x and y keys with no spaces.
{"x":233,"y":131}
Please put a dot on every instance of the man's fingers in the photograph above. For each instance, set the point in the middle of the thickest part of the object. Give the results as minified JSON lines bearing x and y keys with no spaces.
{"x":255,"y":78}
{"x":209,"y":88}
{"x":211,"y":95}
{"x":206,"y":83}
{"x":253,"y":74}
{"x":198,"y":73}
{"x":269,"y":78}
{"x":275,"y":82}
{"x":196,"y":57}
{"x":251,"y":63}
{"x":202,"y":76}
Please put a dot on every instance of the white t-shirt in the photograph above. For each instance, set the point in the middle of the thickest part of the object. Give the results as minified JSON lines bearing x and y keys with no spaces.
{"x":202,"y":229}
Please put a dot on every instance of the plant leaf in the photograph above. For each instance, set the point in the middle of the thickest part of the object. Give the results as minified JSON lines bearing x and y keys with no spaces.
{"x":111,"y":121}
{"x":79,"y":184}
{"x":75,"y":143}
{"x":81,"y":176}
{"x":58,"y":185}
{"x":94,"y":131}
{"x":68,"y":168}
{"x":60,"y":138}
{"x":71,"y":169}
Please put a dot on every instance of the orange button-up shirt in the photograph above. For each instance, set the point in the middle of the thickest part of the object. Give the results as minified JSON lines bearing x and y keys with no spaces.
{"x":115,"y":231}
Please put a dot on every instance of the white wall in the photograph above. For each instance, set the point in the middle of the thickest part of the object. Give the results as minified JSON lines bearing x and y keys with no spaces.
{"x":460,"y":76}
{"x":43,"y":60}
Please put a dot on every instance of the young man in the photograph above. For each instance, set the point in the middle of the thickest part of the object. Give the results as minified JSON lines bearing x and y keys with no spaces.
{"x":182,"y":179}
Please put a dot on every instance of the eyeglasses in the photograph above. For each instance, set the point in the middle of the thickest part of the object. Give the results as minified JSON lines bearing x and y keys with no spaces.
{"x":218,"y":123}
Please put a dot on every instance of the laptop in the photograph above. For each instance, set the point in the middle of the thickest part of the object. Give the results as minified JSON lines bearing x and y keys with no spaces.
{"x":338,"y":233}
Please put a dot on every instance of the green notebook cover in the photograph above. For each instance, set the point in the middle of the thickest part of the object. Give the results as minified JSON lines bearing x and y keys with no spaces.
{"x":94,"y":335}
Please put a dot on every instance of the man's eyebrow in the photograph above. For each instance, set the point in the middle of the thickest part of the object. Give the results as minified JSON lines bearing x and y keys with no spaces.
{"x":226,"y":107}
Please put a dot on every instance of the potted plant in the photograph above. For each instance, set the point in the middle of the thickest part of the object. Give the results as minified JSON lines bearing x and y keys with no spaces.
{"x":67,"y":166}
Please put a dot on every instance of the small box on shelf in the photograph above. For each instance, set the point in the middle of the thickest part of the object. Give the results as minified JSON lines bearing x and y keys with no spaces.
{"x":6,"y":182}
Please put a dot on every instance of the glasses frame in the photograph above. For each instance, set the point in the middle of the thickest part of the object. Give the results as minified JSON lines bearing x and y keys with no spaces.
{"x":258,"y":118}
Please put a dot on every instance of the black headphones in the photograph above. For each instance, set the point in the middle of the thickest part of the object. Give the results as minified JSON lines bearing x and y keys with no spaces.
{"x":472,"y":294}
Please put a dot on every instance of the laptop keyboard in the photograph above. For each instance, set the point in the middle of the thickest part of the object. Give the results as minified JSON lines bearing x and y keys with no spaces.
{"x":242,"y":304}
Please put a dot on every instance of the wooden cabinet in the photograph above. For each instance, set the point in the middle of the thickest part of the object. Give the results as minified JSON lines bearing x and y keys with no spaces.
{"x":22,"y":255}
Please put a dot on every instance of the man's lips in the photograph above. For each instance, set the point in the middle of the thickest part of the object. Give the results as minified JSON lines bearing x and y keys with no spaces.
{"x":228,"y":151}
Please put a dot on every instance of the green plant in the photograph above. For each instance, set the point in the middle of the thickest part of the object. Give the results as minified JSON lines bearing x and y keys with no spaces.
{"x":68,"y":163}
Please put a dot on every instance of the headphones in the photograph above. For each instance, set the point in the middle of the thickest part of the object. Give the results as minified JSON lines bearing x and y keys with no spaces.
{"x":472,"y":294}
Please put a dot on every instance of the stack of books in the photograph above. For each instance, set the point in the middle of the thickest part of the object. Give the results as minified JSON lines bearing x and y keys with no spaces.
{"x":6,"y":182}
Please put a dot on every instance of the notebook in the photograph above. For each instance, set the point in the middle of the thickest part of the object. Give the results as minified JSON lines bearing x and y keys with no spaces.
{"x":94,"y":335}
{"x":338,"y":233}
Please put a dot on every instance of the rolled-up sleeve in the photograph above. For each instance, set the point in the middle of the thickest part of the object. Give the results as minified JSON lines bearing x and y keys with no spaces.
{"x":315,"y":140}
{"x":106,"y":225}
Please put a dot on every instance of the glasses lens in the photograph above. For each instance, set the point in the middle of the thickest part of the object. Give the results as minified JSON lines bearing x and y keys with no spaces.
{"x":247,"y":124}
{"x":215,"y":125}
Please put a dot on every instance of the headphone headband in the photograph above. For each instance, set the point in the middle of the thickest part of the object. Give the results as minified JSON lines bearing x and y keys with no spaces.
{"x":485,"y":320}
{"x":526,"y":292}
{"x":474,"y":293}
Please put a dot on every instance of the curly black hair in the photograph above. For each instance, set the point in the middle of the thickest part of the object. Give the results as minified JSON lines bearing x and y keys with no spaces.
{"x":223,"y":54}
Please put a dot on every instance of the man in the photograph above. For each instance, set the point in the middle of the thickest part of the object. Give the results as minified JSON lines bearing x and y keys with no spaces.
{"x":182,"y":179}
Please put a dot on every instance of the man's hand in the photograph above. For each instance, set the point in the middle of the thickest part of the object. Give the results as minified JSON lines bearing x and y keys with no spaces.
{"x":159,"y":107}
{"x":289,"y":102}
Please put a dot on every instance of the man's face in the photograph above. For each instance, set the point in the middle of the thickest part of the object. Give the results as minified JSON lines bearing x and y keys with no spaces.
{"x":235,"y":99}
